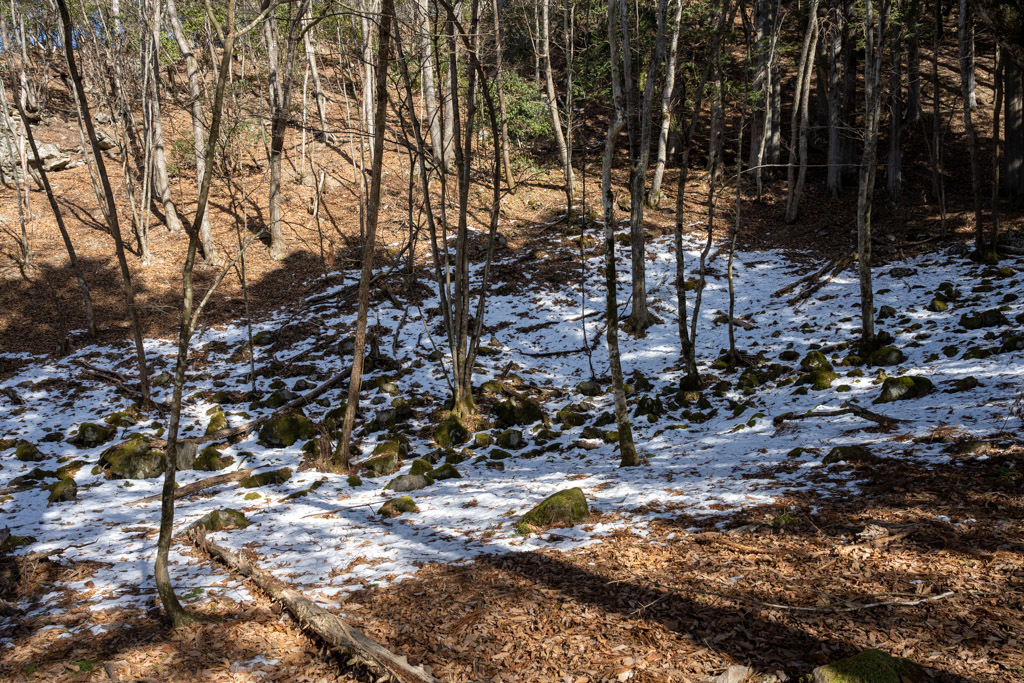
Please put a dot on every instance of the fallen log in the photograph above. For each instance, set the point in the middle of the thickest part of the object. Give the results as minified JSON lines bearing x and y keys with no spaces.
{"x":360,"y":649}
{"x":857,"y":411}
{"x":201,"y":485}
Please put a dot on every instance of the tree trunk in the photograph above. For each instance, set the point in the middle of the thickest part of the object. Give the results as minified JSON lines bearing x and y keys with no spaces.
{"x":109,"y":206}
{"x":426,"y":54}
{"x":997,"y":78}
{"x":894,"y":169}
{"x":914,"y":107}
{"x":654,"y":198}
{"x":833,"y":47}
{"x":499,"y":38}
{"x":628,"y":456}
{"x":1013,"y":131}
{"x":341,"y":456}
{"x":966,"y":43}
{"x":161,"y":182}
{"x":799,"y":120}
{"x":549,"y":85}
{"x":874,"y":38}
{"x":210,"y":255}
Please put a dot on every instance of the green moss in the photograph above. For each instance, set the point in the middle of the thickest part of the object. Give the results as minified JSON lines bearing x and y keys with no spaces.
{"x":69,"y":469}
{"x":819,"y":379}
{"x":517,"y":411}
{"x":589,"y":388}
{"x":285,"y":430}
{"x":218,"y":421}
{"x":409,"y":482}
{"x":450,"y":433}
{"x":64,"y":489}
{"x":903,"y":388}
{"x":225,"y":518}
{"x":965,"y":384}
{"x":499,"y":454}
{"x":15,"y":542}
{"x":795,"y":453}
{"x":815,"y":360}
{"x":870,"y":666}
{"x":564,"y":508}
{"x":210,"y":460}
{"x":853,"y":454}
{"x":446,"y":471}
{"x":271,"y":478}
{"x":398,"y":506}
{"x":382,"y":465}
{"x":27,"y":452}
{"x":397,"y":446}
{"x":482,"y":440}
{"x":886,"y":356}
{"x":133,"y":459}
{"x":571,"y":416}
{"x":789,"y":355}
{"x":90,"y":435}
{"x":354,"y":480}
{"x":938,"y":306}
{"x":123,"y":418}
{"x":990,"y":318}
{"x":490,"y":388}
{"x":252,"y":495}
{"x":511,"y":439}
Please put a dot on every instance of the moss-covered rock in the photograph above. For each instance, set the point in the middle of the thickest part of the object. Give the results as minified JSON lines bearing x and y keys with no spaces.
{"x":285,"y":430}
{"x":420,"y":466}
{"x":264,"y":338}
{"x":965,"y":384}
{"x":123,"y":418}
{"x":409,"y":482}
{"x":564,"y":508}
{"x":789,"y":355}
{"x":90,"y":435}
{"x":482,"y":440}
{"x":903,"y":388}
{"x":650,"y":406}
{"x":218,"y":421}
{"x":818,"y":379}
{"x":398,"y":506}
{"x":511,"y":439}
{"x":938,"y":306}
{"x":870,"y":666}
{"x":14,"y":542}
{"x":28,"y":452}
{"x":852,"y":454}
{"x":354,"y":480}
{"x":517,"y":411}
{"x":381,"y":466}
{"x":210,"y":460}
{"x":33,"y":477}
{"x":993,"y":317}
{"x":396,"y":445}
{"x":450,"y":433}
{"x":64,"y":489}
{"x":589,"y":388}
{"x":571,"y":416}
{"x":133,"y":459}
{"x":271,"y":478}
{"x":446,"y":471}
{"x":490,"y":388}
{"x":815,"y":360}
{"x":498,"y":454}
{"x":886,"y":356}
{"x":223,"y":519}
{"x":69,"y":469}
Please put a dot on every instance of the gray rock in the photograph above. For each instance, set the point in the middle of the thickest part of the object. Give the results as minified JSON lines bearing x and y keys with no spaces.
{"x":408,"y":482}
{"x":51,"y":158}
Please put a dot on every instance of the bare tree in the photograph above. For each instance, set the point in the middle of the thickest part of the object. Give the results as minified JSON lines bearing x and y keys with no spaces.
{"x":798,"y":131}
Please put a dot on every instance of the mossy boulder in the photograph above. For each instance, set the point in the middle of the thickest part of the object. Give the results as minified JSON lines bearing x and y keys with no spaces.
{"x":965,"y":384}
{"x":420,"y":466}
{"x":446,"y":471}
{"x":993,"y":317}
{"x":589,"y":388}
{"x":210,"y":460}
{"x":264,"y":338}
{"x":483,"y":440}
{"x":396,"y":445}
{"x":123,"y":418}
{"x":516,"y":411}
{"x":870,"y":666}
{"x":33,"y":477}
{"x":511,"y":439}
{"x":27,"y":452}
{"x":571,"y":416}
{"x":64,"y":489}
{"x":650,"y":406}
{"x":90,"y":435}
{"x":498,"y":454}
{"x":789,"y":355}
{"x":903,"y":388}
{"x":381,"y":465}
{"x":564,"y":508}
{"x":398,"y":506}
{"x":271,"y":478}
{"x":223,"y":519}
{"x":851,"y":454}
{"x":409,"y":482}
{"x":284,"y":431}
{"x":815,"y":360}
{"x":886,"y":356}
{"x":490,"y":388}
{"x":133,"y":459}
{"x":218,"y":421}
{"x":450,"y":433}
{"x":818,"y":379}
{"x":938,"y":306}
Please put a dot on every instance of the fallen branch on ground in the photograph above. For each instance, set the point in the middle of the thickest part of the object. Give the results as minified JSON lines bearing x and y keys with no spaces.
{"x":360,"y":649}
{"x":201,"y":485}
{"x":863,"y":413}
{"x":115,"y":378}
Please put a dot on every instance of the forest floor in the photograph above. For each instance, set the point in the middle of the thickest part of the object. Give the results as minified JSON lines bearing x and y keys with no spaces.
{"x":735,"y":543}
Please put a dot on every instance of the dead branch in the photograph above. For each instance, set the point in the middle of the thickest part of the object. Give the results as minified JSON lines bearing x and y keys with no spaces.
{"x":201,"y":485}
{"x":360,"y":649}
{"x":115,"y":378}
{"x":848,"y":409}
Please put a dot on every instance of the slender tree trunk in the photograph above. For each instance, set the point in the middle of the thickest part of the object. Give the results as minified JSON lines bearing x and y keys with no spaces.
{"x":833,"y":46}
{"x":210,"y":255}
{"x":914,"y":108}
{"x":1013,"y":131}
{"x":161,"y":182}
{"x":318,"y":90}
{"x":1000,"y":67}
{"x":966,"y":36}
{"x":654,"y":197}
{"x":109,"y":207}
{"x":549,"y":84}
{"x":426,"y":54}
{"x":341,"y":456}
{"x":874,"y":39}
{"x":499,"y":38}
{"x":628,"y":456}
{"x":799,"y":120}
{"x":894,"y":169}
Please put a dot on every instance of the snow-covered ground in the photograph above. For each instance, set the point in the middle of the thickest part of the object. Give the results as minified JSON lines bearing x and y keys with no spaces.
{"x":331,"y":540}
